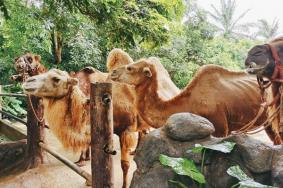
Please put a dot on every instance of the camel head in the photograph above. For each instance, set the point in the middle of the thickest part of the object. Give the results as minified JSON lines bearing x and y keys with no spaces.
{"x":27,"y":63}
{"x":26,"y":66}
{"x":54,"y":84}
{"x":258,"y":60}
{"x":134,"y":74}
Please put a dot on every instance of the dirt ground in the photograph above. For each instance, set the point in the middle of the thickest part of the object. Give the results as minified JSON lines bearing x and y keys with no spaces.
{"x":53,"y":174}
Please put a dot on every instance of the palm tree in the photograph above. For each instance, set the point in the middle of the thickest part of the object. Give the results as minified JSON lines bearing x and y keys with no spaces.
{"x":266,"y":30}
{"x":225,"y":19}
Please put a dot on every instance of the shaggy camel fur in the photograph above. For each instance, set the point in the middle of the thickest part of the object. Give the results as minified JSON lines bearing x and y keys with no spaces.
{"x":126,"y":120}
{"x":228,"y":99}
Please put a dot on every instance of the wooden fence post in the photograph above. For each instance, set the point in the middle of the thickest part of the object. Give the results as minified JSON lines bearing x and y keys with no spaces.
{"x":1,"y":115}
{"x":35,"y":131}
{"x":101,"y":110}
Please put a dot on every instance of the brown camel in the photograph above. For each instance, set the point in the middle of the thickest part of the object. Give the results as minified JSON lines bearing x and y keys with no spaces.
{"x":27,"y":65}
{"x":126,"y":120}
{"x":265,"y":61}
{"x":228,"y":99}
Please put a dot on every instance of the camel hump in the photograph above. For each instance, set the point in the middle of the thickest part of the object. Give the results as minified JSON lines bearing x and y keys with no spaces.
{"x":216,"y":69}
{"x":116,"y":58}
{"x":158,"y":65}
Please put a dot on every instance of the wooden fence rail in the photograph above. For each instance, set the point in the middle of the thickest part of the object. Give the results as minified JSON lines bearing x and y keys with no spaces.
{"x":12,"y":95}
{"x":13,"y":117}
{"x":101,"y":110}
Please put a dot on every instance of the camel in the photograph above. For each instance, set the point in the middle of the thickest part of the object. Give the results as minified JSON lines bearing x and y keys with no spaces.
{"x":265,"y":61}
{"x":27,"y":65}
{"x":56,"y":96}
{"x":228,"y":99}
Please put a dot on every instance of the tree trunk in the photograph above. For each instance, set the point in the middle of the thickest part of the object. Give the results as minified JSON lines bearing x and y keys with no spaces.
{"x":57,"y":46}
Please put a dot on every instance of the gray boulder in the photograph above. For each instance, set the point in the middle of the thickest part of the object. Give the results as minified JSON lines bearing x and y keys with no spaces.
{"x":188,"y":127}
{"x":182,"y":131}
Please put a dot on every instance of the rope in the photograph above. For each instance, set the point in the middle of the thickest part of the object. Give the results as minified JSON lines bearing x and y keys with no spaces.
{"x":40,"y":120}
{"x":256,"y":130}
{"x":259,"y":128}
{"x":252,"y":122}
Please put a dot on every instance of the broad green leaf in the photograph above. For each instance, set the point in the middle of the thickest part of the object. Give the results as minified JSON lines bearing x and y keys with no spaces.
{"x":224,"y":147}
{"x":237,"y":172}
{"x":179,"y":184}
{"x":197,"y":149}
{"x":245,"y":180}
{"x":182,"y":166}
{"x":252,"y":184}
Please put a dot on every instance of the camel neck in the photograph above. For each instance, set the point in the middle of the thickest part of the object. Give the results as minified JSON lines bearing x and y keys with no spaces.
{"x":152,"y":108}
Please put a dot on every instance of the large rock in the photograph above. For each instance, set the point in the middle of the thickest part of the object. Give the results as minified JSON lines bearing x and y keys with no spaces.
{"x":187,"y":127}
{"x":259,"y":161}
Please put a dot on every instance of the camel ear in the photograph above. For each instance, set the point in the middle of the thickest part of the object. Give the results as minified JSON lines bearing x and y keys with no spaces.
{"x":37,"y":58}
{"x":73,"y":81}
{"x":147,"y":72}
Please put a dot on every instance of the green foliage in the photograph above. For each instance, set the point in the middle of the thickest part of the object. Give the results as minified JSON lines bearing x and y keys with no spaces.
{"x":83,"y":50}
{"x":129,"y":23}
{"x":245,"y":180}
{"x":187,"y":167}
{"x":224,"y":147}
{"x":15,"y":106}
{"x":182,"y":166}
{"x":22,"y":32}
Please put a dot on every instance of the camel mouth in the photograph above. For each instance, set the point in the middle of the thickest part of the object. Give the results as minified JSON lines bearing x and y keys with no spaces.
{"x":254,"y":70}
{"x":28,"y":90}
{"x":114,"y":76}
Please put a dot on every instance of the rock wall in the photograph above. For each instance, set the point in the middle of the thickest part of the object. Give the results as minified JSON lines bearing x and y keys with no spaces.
{"x":262,"y":162}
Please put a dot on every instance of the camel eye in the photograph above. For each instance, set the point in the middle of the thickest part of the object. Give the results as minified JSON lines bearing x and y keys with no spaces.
{"x":258,"y":53}
{"x":129,"y":68}
{"x":55,"y":79}
{"x":29,"y":59}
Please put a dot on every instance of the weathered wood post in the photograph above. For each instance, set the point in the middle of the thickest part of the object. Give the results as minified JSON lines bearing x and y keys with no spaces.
{"x":35,"y":131}
{"x":1,"y":102}
{"x":101,"y":110}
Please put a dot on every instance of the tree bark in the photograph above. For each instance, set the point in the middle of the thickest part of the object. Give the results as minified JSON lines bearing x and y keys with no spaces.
{"x":57,"y":46}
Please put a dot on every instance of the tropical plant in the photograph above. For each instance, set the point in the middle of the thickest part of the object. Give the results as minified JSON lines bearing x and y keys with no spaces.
{"x":267,"y":30}
{"x":15,"y":106}
{"x":244,"y":180}
{"x":187,"y":167}
{"x":225,"y":19}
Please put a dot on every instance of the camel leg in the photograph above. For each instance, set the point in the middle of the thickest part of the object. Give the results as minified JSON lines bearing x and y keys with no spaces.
{"x":87,"y":157}
{"x":272,"y":136}
{"x":141,"y":135}
{"x":276,"y":121}
{"x":127,"y":141}
{"x":220,"y":124}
